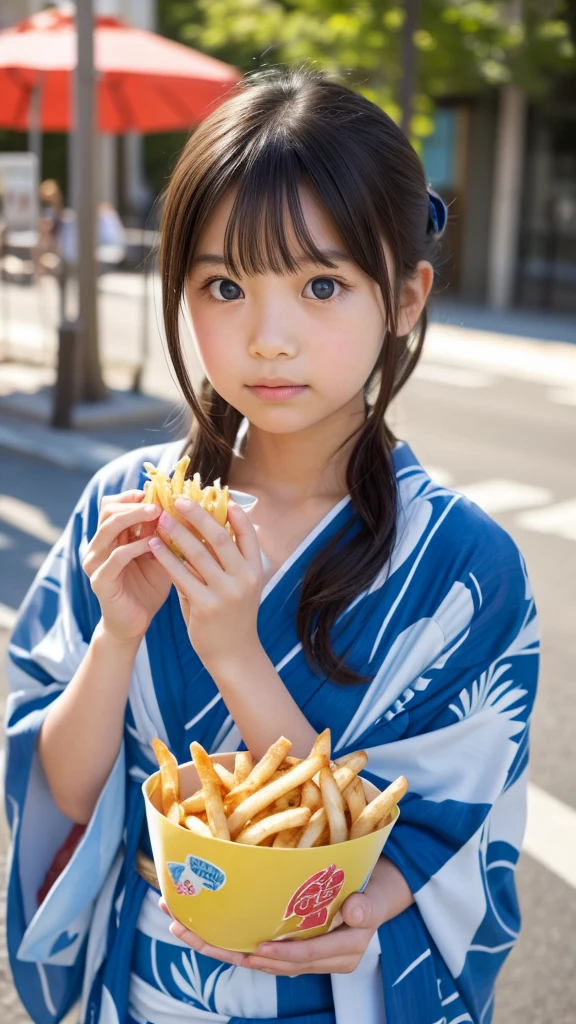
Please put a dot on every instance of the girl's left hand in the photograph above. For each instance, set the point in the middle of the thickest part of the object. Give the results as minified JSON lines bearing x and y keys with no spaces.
{"x":219,"y":589}
{"x":336,"y":952}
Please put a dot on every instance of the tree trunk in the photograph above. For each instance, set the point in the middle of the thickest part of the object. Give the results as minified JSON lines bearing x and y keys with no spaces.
{"x":408,"y":64}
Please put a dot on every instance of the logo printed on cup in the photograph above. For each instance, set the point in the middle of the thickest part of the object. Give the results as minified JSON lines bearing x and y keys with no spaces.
{"x":313,"y":898}
{"x":194,"y":875}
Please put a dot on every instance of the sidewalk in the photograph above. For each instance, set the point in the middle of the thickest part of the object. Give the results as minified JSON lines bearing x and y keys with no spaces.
{"x":536,"y":324}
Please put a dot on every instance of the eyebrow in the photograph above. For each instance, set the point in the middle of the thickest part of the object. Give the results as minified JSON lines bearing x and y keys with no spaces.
{"x":216,"y":259}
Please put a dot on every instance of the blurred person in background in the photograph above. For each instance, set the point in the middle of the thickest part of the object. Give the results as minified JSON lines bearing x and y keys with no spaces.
{"x":300,"y":237}
{"x":110,"y":236}
{"x":47,"y":252}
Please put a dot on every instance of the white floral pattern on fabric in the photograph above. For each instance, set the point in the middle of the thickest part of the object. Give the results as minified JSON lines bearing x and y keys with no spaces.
{"x":447,"y":633}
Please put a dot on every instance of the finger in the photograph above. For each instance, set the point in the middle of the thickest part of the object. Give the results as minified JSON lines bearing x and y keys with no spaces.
{"x":164,"y":907}
{"x":227,"y":956}
{"x":246,"y":536}
{"x":343,"y":941}
{"x":124,"y":496}
{"x":109,"y":533}
{"x":120,"y":506}
{"x":196,"y":553}
{"x":183,"y":579}
{"x":184,"y":605}
{"x":358,"y":911}
{"x":224,"y":548}
{"x":118,"y":560}
{"x":285,"y":968}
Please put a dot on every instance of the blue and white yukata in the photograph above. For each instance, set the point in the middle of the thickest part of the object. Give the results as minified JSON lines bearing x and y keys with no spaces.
{"x":448,"y":631}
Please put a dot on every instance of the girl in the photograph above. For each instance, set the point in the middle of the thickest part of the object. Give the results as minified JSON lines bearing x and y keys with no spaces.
{"x":299,"y":234}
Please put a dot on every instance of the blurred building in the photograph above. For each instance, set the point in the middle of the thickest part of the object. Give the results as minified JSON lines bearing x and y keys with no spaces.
{"x":509,"y":168}
{"x":121,"y":180}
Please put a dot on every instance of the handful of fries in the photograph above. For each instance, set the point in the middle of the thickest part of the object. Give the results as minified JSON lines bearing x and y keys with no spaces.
{"x":282,"y":801}
{"x":160,"y":489}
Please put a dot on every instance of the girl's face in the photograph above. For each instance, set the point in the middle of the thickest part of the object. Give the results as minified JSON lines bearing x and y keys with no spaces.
{"x":320,"y":329}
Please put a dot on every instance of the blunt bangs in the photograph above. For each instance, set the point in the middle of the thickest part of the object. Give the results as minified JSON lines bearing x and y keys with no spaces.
{"x":268,"y":201}
{"x":266,"y":204}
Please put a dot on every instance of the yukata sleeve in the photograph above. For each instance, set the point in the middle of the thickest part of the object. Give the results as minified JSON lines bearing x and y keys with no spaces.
{"x":454,"y":719}
{"x":46,"y":942}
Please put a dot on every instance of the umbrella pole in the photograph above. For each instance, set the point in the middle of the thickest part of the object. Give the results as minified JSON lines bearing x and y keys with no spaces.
{"x":34,"y":122}
{"x":93,"y":387}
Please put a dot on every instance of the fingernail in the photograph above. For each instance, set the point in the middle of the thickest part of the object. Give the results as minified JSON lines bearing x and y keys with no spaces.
{"x":150,"y":508}
{"x":183,"y":504}
{"x":166,"y":522}
{"x":154,"y":543}
{"x":177,"y":929}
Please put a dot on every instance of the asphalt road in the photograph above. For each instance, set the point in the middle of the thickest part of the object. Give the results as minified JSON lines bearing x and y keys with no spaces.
{"x":509,"y":442}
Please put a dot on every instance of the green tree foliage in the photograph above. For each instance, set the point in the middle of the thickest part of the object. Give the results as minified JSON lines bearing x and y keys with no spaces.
{"x":464,"y":46}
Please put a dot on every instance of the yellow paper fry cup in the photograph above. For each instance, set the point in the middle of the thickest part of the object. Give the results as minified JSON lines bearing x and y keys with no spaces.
{"x":236,"y":896}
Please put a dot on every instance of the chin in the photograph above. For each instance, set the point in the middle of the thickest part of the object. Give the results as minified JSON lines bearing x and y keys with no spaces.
{"x":279,"y":419}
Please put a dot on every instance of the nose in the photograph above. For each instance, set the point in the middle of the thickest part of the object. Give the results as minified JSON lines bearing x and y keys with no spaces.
{"x":272,"y":335}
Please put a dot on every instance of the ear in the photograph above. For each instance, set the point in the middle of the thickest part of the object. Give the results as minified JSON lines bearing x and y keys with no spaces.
{"x":413,"y":296}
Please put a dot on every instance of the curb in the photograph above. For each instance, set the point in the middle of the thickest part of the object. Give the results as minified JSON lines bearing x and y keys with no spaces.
{"x":120,"y":408}
{"x":62,"y":448}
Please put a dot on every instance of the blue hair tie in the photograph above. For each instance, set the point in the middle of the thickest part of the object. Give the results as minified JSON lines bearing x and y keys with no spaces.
{"x":437,"y":214}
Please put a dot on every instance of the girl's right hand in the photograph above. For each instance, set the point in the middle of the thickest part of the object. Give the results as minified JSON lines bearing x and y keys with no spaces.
{"x":128,"y":581}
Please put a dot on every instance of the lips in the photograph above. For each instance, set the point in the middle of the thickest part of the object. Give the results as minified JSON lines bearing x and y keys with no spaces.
{"x":277,"y":392}
{"x":275,"y":382}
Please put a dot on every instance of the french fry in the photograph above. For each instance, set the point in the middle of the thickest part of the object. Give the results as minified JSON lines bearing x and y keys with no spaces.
{"x":313,"y":830}
{"x":268,"y":794}
{"x":169,"y":778}
{"x":346,"y":773}
{"x":219,"y":507}
{"x":260,"y":774}
{"x":162,"y":490}
{"x":212,"y":793}
{"x":193,"y":488}
{"x":311,"y":796}
{"x":334,"y":807}
{"x":260,"y":816}
{"x":287,"y":839}
{"x":379,"y":808}
{"x":255,"y":834}
{"x":324,"y":838}
{"x":179,"y":475}
{"x":346,"y":758}
{"x":226,"y":777}
{"x":355,"y":799}
{"x":283,"y":801}
{"x":243,"y":765}
{"x":322,"y":745}
{"x":175,"y":813}
{"x":196,"y":825}
{"x":194,"y":804}
{"x":291,"y":799}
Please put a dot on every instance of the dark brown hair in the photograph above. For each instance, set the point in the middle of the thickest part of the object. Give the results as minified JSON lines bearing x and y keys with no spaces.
{"x":281,"y":131}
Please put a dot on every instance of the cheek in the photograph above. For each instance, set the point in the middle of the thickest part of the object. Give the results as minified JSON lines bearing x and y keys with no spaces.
{"x":349,"y":347}
{"x":212,"y":346}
